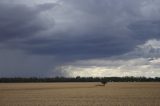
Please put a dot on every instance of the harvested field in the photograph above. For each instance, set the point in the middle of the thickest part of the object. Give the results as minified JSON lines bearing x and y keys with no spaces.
{"x":79,"y":94}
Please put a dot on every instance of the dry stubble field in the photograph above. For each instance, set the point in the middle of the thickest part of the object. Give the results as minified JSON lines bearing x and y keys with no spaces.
{"x":79,"y":94}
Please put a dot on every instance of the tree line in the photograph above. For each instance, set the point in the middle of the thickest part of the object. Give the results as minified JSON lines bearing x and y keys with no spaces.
{"x":80,"y":79}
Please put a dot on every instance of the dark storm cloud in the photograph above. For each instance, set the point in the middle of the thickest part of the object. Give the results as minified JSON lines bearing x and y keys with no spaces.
{"x":87,"y":47}
{"x":82,"y":29}
{"x":17,"y":22}
{"x":46,"y":6}
{"x":107,"y":29}
{"x":83,"y":48}
{"x":144,"y":30}
{"x":20,"y":21}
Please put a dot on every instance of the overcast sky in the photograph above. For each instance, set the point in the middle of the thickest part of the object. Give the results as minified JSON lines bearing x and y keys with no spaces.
{"x":47,"y":38}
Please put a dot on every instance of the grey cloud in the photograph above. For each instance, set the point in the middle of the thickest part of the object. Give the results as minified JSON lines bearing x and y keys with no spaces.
{"x":144,"y":30}
{"x":142,"y":61}
{"x":73,"y":49}
{"x":46,"y":6}
{"x":14,"y":63}
{"x":83,"y":29}
{"x":19,"y":21}
{"x":99,"y":39}
{"x":108,"y":24}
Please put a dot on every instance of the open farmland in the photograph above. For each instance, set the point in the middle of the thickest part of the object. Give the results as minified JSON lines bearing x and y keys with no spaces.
{"x":79,"y":94}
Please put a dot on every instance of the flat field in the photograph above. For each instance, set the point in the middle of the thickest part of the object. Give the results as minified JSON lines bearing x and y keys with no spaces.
{"x":79,"y":94}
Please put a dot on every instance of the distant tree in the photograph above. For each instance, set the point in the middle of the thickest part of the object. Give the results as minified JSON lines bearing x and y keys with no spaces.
{"x":104,"y":81}
{"x":78,"y":77}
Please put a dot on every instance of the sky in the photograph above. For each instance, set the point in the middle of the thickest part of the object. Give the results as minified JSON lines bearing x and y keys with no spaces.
{"x":88,"y":38}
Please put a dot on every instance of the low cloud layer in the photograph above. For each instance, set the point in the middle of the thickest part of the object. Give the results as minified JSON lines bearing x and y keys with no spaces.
{"x":56,"y":34}
{"x":142,"y":61}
